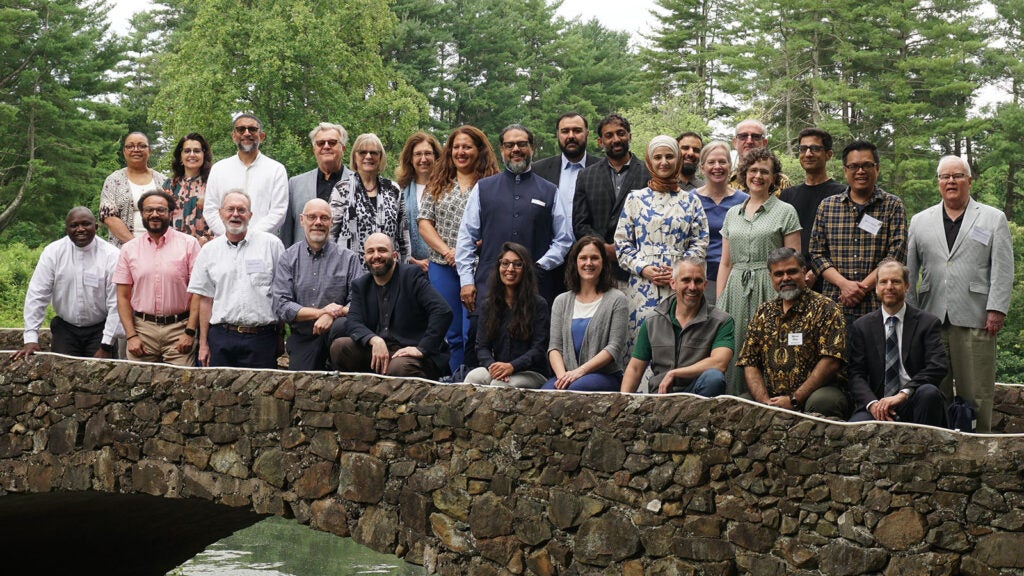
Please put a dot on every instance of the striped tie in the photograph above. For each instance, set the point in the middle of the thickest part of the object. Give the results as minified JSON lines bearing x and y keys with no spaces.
{"x":892,"y":358}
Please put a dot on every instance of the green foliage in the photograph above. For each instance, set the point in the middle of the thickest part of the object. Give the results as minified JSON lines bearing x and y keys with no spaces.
{"x":17,"y":262}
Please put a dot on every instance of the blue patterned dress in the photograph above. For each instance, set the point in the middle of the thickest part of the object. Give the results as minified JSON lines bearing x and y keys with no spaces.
{"x":656,"y":228}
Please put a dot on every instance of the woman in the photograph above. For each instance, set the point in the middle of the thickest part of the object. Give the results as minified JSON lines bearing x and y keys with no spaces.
{"x":366,"y":202}
{"x":514,"y":325}
{"x":588,"y":323}
{"x":123,"y":188}
{"x":716,"y":197}
{"x":659,"y":225}
{"x":415,"y":164}
{"x":190,"y":168}
{"x":467,"y":157}
{"x":750,"y":231}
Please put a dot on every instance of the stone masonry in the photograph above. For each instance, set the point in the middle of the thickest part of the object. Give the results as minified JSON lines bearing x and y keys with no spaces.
{"x":484,"y":481}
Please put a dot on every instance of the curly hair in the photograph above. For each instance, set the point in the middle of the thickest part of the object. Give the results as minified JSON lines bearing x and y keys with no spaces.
{"x":572,"y":274}
{"x":178,"y":168}
{"x":521,"y":313}
{"x":756,"y":155}
{"x":406,"y":172}
{"x":445,"y":171}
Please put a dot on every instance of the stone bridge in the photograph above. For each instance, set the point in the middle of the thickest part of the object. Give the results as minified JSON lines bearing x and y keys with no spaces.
{"x":132,"y":468}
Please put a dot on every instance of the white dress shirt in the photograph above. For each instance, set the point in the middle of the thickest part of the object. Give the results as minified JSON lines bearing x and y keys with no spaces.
{"x":266,"y":183}
{"x":79,"y":283}
{"x":239,"y":278}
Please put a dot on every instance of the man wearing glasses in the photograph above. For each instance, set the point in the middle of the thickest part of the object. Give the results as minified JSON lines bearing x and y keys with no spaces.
{"x":854,"y":231}
{"x":263,"y":179}
{"x":159,"y":316}
{"x":329,"y":143}
{"x":751,"y":135}
{"x":960,"y":256}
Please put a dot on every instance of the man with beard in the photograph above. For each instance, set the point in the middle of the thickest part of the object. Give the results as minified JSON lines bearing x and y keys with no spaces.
{"x":690,"y":145}
{"x":75,"y":274}
{"x":572,"y":131}
{"x":796,"y":344}
{"x":152,"y":276}
{"x":601,"y":188}
{"x":514,"y":205}
{"x":312,"y":289}
{"x":329,"y":143}
{"x":750,"y":135}
{"x":687,"y":342}
{"x":263,"y":179}
{"x":397,"y":320}
{"x":232,"y":279}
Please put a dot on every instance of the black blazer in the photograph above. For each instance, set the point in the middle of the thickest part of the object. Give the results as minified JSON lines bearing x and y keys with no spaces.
{"x":924,"y":357}
{"x":550,"y":168}
{"x":595,"y":206}
{"x":419,"y":317}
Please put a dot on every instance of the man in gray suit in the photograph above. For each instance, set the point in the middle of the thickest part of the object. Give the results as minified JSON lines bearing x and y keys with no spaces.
{"x":960,"y":256}
{"x":329,"y":142}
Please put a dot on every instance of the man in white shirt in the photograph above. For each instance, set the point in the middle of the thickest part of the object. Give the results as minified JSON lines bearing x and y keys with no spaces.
{"x":233,"y":276}
{"x":263,"y":179}
{"x":75,"y":275}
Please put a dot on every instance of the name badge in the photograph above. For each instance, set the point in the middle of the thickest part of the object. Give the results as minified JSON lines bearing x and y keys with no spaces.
{"x":254,"y":266}
{"x":870,"y":224}
{"x":538,"y":202}
{"x":796,"y":338}
{"x":981,"y":235}
{"x":91,"y":279}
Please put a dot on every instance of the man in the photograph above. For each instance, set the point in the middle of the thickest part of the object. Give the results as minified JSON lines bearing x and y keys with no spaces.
{"x":233,"y":278}
{"x":264,"y":180}
{"x":896,"y":357}
{"x":312,"y":283}
{"x":397,"y":320}
{"x":687,"y":342}
{"x":514,"y":205}
{"x":329,"y":142}
{"x":751,"y":134}
{"x":601,"y":188}
{"x":690,"y":145}
{"x":963,"y":254}
{"x":75,"y":274}
{"x":854,"y":230}
{"x":795,"y":344}
{"x":573,"y":132}
{"x":153,"y":271}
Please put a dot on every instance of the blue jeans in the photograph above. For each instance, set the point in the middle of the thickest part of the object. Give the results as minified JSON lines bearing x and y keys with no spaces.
{"x":709,"y":384}
{"x":445,"y":280}
{"x":595,"y":382}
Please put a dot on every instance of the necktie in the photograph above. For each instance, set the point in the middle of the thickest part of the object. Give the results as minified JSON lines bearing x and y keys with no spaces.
{"x":892,"y":357}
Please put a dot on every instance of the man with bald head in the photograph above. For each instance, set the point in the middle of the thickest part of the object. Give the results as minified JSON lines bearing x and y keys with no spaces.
{"x":75,"y":274}
{"x":312,"y":283}
{"x":960,"y":256}
{"x":397,"y":320}
{"x":750,"y":135}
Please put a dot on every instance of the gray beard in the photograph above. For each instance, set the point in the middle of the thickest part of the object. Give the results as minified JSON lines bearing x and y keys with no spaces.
{"x":790,"y":294}
{"x":249,"y":148}
{"x":518,"y":166}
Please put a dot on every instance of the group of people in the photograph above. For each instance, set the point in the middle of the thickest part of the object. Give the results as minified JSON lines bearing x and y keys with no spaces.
{"x":572,"y":272}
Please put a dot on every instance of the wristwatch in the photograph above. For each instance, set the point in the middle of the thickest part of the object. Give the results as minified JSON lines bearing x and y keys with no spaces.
{"x":796,"y":405}
{"x":190,"y":332}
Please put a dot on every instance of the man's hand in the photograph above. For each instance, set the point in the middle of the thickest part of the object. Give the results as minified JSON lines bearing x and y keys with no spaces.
{"x":379,"y":355}
{"x":101,"y":353}
{"x":204,"y":354}
{"x":781,"y":402}
{"x":851,"y":293}
{"x":885,"y":409}
{"x":323,"y":323}
{"x":185,"y":344}
{"x":500,"y":371}
{"x":468,"y":296}
{"x":810,"y":277}
{"x":135,"y":347}
{"x":421,"y":263}
{"x":409,"y":352}
{"x":28,"y":350}
{"x":994,"y":322}
{"x":335,"y":310}
{"x":666,"y":383}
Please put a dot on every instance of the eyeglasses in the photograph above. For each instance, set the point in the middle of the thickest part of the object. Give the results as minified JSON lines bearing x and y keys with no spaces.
{"x":328,"y":143}
{"x":425,"y":154}
{"x":513,"y":145}
{"x":244,"y":129}
{"x":956,"y":177}
{"x":367,"y":153}
{"x":813,"y":148}
{"x":234,"y":209}
{"x":320,"y":218}
{"x":750,"y":136}
{"x":865,"y":166}
{"x":151,"y":211}
{"x":134,"y":147}
{"x":513,"y":264}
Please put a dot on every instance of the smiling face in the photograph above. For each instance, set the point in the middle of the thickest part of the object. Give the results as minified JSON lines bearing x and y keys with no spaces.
{"x":615,"y":139}
{"x":368,"y":159}
{"x":80,"y":227}
{"x":379,"y":255}
{"x":749,"y":136}
{"x":156,"y":217}
{"x":235,"y":213}
{"x":788,"y":278}
{"x":316,"y":222}
{"x":813,"y":155}
{"x":891,"y":288}
{"x":688,"y":282}
{"x":464,"y":153}
{"x":760,"y":176}
{"x":516,"y":150}
{"x":510,"y":267}
{"x":328,"y":150}
{"x":861,"y":171}
{"x":192,"y":157}
{"x":716,"y":166}
{"x":423,"y":160}
{"x":665,"y":162}
{"x":589,"y":264}
{"x":954,"y":184}
{"x":136,"y":151}
{"x":246,"y":134}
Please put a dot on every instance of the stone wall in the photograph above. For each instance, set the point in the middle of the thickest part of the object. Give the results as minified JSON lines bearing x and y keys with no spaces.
{"x":485,"y":481}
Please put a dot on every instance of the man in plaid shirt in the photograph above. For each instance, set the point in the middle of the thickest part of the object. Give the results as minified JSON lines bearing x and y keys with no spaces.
{"x":854,"y":231}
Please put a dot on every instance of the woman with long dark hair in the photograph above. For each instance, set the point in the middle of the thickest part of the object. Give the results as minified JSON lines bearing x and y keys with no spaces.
{"x":588,"y":323}
{"x":513,"y":336}
{"x":190,"y":168}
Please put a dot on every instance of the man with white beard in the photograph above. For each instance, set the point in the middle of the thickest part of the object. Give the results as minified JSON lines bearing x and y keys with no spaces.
{"x":233,"y":276}
{"x":796,"y":344}
{"x":262,"y":178}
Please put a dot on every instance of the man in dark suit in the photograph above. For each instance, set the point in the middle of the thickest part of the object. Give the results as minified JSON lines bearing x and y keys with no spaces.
{"x":601,"y":188}
{"x":397,"y":320}
{"x":329,"y":142}
{"x":897,"y":359}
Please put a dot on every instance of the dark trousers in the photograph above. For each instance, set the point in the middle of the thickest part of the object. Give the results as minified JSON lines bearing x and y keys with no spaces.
{"x":351,"y":356}
{"x":74,"y":340}
{"x":234,"y":350}
{"x":925,"y":406}
{"x":308,"y":351}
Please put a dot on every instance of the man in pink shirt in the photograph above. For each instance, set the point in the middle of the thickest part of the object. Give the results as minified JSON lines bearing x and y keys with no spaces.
{"x":158,"y":314}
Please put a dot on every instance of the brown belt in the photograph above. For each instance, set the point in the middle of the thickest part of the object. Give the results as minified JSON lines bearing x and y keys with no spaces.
{"x":265,"y":329}
{"x":162,"y":320}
